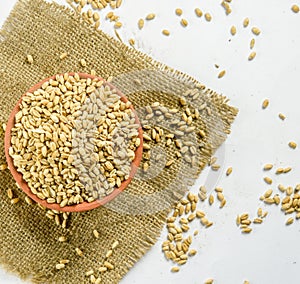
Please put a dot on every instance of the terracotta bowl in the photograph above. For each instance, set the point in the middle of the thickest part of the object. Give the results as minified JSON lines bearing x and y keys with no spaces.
{"x":85,"y":206}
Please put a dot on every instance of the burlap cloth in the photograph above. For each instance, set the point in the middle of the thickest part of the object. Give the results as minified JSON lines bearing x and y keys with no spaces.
{"x":28,"y":240}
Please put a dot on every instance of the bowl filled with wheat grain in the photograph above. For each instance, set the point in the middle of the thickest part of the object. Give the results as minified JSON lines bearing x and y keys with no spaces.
{"x":73,"y":142}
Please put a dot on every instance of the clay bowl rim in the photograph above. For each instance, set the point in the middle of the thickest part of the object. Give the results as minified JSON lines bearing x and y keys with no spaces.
{"x":85,"y":206}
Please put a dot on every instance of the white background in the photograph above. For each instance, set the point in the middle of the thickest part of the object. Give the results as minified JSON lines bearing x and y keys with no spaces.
{"x":271,"y":253}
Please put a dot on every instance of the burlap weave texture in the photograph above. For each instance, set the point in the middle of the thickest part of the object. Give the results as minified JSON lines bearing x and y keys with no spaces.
{"x":28,"y":240}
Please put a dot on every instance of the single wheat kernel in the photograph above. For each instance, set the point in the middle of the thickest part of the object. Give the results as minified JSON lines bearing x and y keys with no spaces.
{"x":14,"y":200}
{"x":269,"y":200}
{"x":62,"y":239}
{"x":188,"y":208}
{"x":276,"y":199}
{"x":246,"y":222}
{"x":141,"y":23}
{"x":243,"y":226}
{"x":252,"y":43}
{"x":10,"y":193}
{"x":150,"y":17}
{"x":238,"y":220}
{"x":79,"y":252}
{"x":198,"y":12}
{"x":79,"y":9}
{"x":200,"y":214}
{"x":82,"y":3}
{"x":255,"y":31}
{"x":286,"y":200}
{"x":233,"y":30}
{"x":191,"y":217}
{"x":109,"y":15}
{"x":257,"y":221}
{"x":113,"y":4}
{"x":175,"y":269}
{"x":221,"y":74}
{"x":293,"y":145}
{"x":212,"y":160}
{"x":289,"y":221}
{"x":166,"y":32}
{"x":247,"y":230}
{"x":178,"y":12}
{"x":89,"y":273}
{"x":29,"y":59}
{"x":202,"y":196}
{"x":268,"y":167}
{"x":97,"y":25}
{"x":246,"y":22}
{"x":119,"y":3}
{"x":215,"y":167}
{"x":268,"y":193}
{"x":60,"y":266}
{"x":192,"y":252}
{"x":246,"y":282}
{"x":64,"y":261}
{"x":259,"y":212}
{"x":184,"y":22}
{"x":109,"y":253}
{"x":115,"y":245}
{"x":197,"y":232}
{"x":3,"y":167}
{"x":281,"y":188}
{"x":229,"y":171}
{"x":118,"y":25}
{"x":96,"y":234}
{"x":108,"y":265}
{"x":208,"y":17}
{"x":209,"y":281}
{"x":190,"y":197}
{"x":90,"y":13}
{"x":295,"y":8}
{"x":202,"y":133}
{"x":96,"y":17}
{"x":211,"y":199}
{"x":102,"y":269}
{"x":223,"y":203}
{"x":265,"y":104}
{"x":204,"y":221}
{"x":93,"y":279}
{"x":183,"y":221}
{"x":220,"y":196}
{"x":83,"y":62}
{"x":244,"y":216}
{"x":289,"y":191}
{"x":131,"y":41}
{"x":281,"y":116}
{"x":251,"y":55}
{"x":63,"y":55}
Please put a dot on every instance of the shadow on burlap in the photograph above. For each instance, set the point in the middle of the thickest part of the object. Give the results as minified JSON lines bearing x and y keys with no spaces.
{"x":28,"y":239}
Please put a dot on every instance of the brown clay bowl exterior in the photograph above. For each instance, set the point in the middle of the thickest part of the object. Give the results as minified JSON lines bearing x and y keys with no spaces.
{"x":85,"y":206}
